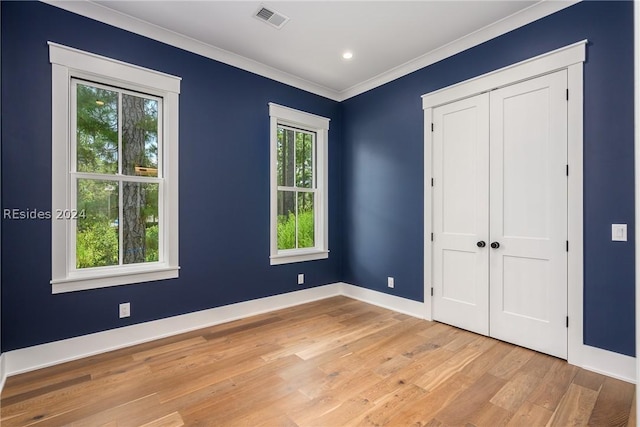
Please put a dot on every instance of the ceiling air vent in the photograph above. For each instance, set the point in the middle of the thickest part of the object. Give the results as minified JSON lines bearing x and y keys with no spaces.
{"x":271,"y":17}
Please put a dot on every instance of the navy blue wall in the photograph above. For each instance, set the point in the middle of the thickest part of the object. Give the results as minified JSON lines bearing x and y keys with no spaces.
{"x":376,"y":175}
{"x":383,"y":164}
{"x":224,"y":182}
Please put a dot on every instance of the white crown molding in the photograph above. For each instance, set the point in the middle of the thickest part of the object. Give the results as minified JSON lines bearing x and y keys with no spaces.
{"x":526,"y":16}
{"x":105,"y":15}
{"x":126,"y":22}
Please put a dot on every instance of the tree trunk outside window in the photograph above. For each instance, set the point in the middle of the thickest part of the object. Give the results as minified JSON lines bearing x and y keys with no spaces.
{"x":133,"y":194}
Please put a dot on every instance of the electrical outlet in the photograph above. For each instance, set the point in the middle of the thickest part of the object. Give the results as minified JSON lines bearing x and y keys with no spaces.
{"x":390,"y":282}
{"x":619,"y":232}
{"x":300,"y":279}
{"x":125,"y":309}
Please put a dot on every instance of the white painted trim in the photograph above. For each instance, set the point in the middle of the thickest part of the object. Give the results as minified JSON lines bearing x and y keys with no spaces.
{"x":123,"y":276}
{"x":390,"y":302}
{"x":538,"y":65}
{"x":517,"y":20}
{"x":298,"y":117}
{"x":570,"y":58}
{"x":428,"y":213}
{"x":116,"y":70}
{"x":44,"y":355}
{"x":100,"y":13}
{"x":67,"y":63}
{"x":3,"y":371}
{"x":575,"y":215}
{"x":607,"y":363}
{"x":119,"y":20}
{"x":280,"y":115}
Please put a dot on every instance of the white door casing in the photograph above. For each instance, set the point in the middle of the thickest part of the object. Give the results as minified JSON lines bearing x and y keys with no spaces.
{"x":570,"y":58}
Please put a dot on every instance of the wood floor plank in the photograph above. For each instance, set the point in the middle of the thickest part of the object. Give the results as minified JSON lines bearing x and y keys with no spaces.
{"x":171,"y":420}
{"x":49,"y":388}
{"x":511,"y":363}
{"x":470,"y":401}
{"x":422,"y":411}
{"x":511,"y":396}
{"x":613,"y":404}
{"x":490,"y":415}
{"x":588,"y":379}
{"x":575,"y":407}
{"x":530,"y":414}
{"x":385,"y":409}
{"x":136,"y":412}
{"x":633,"y":420}
{"x":554,"y":385}
{"x":161,"y":350}
{"x":493,"y":352}
{"x":335,"y":362}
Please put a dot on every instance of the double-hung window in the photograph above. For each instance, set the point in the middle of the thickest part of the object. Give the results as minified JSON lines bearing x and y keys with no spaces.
{"x":298,"y":185}
{"x":114,"y":192}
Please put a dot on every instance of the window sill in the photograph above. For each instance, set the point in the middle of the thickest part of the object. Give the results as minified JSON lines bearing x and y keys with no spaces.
{"x":298,"y":256}
{"x":104,"y":279}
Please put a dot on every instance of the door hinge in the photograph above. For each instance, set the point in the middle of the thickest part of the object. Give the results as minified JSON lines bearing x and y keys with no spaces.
{"x":432,"y":182}
{"x":567,"y":246}
{"x":431,"y":291}
{"x":432,"y":237}
{"x":567,"y":170}
{"x":567,"y":319}
{"x":567,"y":94}
{"x":431,"y":127}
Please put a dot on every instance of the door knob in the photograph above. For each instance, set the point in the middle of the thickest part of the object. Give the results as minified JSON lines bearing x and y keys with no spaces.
{"x":495,"y":245}
{"x":481,"y":244}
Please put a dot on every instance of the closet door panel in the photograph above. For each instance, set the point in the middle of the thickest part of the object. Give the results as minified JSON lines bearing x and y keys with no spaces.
{"x":460,"y":217}
{"x":528,"y":214}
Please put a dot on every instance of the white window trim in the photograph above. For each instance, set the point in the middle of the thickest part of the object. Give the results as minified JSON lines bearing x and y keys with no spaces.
{"x":320,"y":125}
{"x":70,"y":63}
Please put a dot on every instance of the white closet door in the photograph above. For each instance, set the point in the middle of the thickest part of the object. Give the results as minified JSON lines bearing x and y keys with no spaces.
{"x":528,"y":205}
{"x":461,"y":213}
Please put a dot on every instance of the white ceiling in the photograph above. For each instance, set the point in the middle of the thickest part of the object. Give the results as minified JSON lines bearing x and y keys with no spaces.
{"x":388,"y":38}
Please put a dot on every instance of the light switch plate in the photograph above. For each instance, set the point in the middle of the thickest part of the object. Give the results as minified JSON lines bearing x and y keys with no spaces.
{"x":619,"y":232}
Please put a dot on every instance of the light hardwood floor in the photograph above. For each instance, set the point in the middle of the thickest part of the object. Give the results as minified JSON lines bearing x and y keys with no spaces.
{"x":335,"y":362}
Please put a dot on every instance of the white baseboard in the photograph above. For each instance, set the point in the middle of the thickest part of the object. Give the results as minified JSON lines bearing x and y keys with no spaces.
{"x":391,"y":302}
{"x":53,"y":353}
{"x":607,"y":363}
{"x":3,"y":371}
{"x":44,"y":355}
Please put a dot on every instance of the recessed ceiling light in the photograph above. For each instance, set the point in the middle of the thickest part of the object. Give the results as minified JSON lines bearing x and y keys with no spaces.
{"x":347,"y":55}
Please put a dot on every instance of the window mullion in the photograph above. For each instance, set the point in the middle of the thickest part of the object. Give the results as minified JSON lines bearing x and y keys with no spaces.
{"x":73,"y":227}
{"x":160,"y":159}
{"x":120,"y":182}
{"x":119,"y":133}
{"x":313,"y":160}
{"x":295,"y":197}
{"x":120,"y":220}
{"x":72,"y":182}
